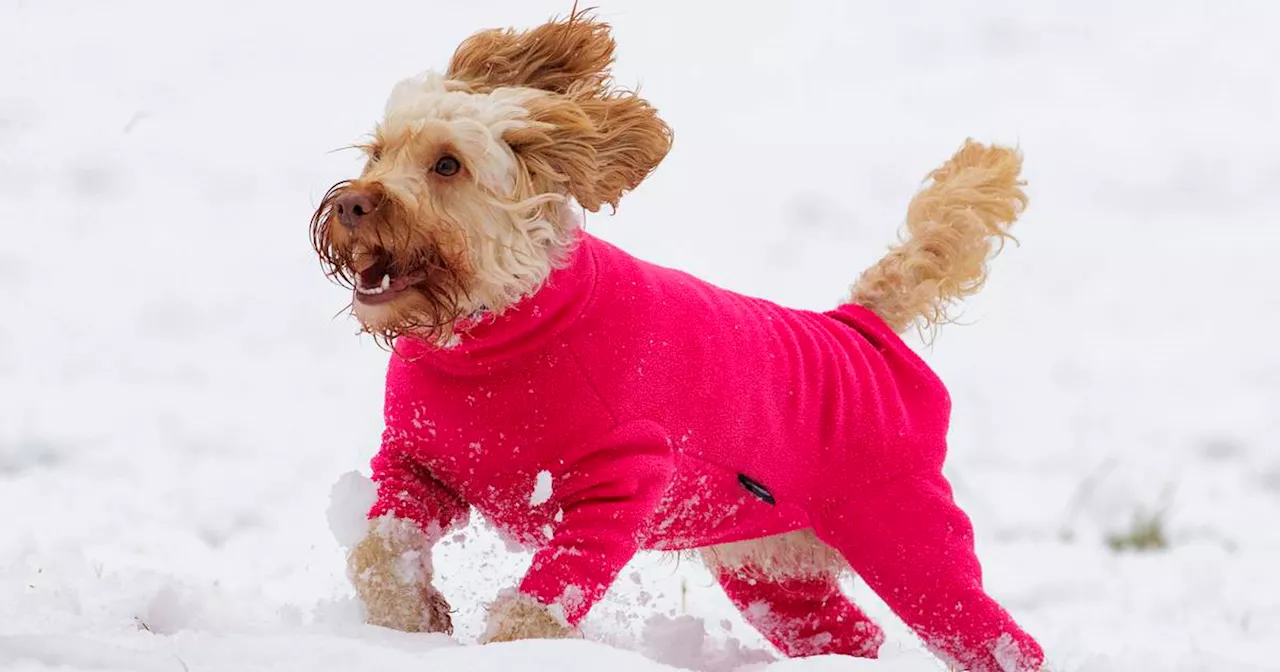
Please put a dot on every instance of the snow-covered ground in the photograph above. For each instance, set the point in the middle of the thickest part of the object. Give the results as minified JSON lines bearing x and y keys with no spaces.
{"x":176,"y":398}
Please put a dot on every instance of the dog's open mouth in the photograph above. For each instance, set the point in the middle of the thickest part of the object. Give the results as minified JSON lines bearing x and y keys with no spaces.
{"x":379,"y":282}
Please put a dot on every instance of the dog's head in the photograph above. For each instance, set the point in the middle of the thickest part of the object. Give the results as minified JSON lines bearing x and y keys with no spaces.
{"x":464,"y":202}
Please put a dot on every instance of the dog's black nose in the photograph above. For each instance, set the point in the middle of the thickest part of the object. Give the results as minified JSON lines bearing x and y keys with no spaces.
{"x":353,"y":206}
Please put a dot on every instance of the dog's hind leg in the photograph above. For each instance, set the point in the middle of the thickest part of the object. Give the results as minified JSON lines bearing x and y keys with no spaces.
{"x":913,"y":546}
{"x":786,"y":587}
{"x":954,"y":224}
{"x":802,"y":615}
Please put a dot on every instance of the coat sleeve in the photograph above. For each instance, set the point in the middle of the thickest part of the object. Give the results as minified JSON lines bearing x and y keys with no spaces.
{"x":607,"y":498}
{"x":407,"y":490}
{"x":915,"y":548}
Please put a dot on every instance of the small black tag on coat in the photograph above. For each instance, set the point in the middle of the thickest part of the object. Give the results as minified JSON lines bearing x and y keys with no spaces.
{"x":757,"y":489}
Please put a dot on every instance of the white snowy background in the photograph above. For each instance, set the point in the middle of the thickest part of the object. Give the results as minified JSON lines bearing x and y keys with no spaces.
{"x":177,"y":398}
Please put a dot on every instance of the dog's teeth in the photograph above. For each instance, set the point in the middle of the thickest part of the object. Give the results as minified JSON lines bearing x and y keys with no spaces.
{"x":383,"y":286}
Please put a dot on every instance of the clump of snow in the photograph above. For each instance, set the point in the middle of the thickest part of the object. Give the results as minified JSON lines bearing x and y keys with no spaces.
{"x":338,"y":612}
{"x":177,"y":606}
{"x":1007,"y":653}
{"x":541,"y":489}
{"x":674,"y":641}
{"x":571,"y":598}
{"x":410,"y":568}
{"x":168,"y":612}
{"x":683,"y":642}
{"x":413,"y":566}
{"x":350,"y":499}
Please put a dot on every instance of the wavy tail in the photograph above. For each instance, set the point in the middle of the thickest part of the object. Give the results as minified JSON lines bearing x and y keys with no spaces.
{"x":954,"y":225}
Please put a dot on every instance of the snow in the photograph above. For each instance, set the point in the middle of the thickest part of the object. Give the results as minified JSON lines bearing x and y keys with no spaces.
{"x":349,"y":502}
{"x":177,"y":399}
{"x":541,"y":489}
{"x":683,"y":642}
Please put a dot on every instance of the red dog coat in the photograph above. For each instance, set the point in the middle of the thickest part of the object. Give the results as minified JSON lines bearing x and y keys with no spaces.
{"x":627,"y":406}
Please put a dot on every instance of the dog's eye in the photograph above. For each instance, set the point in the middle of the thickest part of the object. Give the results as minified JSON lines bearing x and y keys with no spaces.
{"x":446,"y":166}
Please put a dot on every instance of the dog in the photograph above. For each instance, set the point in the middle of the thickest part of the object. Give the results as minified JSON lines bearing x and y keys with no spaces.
{"x":592,"y":405}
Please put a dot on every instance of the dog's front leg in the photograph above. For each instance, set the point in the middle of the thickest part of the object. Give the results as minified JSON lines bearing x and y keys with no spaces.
{"x":607,"y":495}
{"x":391,"y":571}
{"x":391,"y":566}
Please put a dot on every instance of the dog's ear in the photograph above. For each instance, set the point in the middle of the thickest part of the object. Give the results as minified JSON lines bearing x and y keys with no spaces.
{"x":554,"y":57}
{"x":593,"y":140}
{"x":558,"y":151}
{"x":595,"y":145}
{"x":631,"y":141}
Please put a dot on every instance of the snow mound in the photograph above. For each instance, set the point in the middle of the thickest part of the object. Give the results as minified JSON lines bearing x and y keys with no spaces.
{"x":683,"y":642}
{"x":350,"y":499}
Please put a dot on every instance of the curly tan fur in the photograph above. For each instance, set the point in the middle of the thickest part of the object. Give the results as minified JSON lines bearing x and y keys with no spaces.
{"x":552,"y":57}
{"x":601,"y":140}
{"x":515,"y":616}
{"x":953,"y":226}
{"x":391,"y":572}
{"x":533,"y":120}
{"x":798,"y":553}
{"x":631,"y":141}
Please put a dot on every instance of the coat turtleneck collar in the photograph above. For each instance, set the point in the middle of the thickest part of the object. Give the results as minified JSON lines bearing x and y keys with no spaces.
{"x":524,"y":327}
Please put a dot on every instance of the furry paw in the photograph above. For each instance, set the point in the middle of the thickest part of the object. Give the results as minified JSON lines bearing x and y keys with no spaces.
{"x":514,"y":616}
{"x":391,"y":572}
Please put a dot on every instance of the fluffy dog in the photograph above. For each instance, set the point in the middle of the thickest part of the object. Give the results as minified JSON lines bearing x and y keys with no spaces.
{"x":591,"y":405}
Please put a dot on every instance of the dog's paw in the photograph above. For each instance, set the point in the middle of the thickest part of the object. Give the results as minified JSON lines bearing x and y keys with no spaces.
{"x":435,"y":617}
{"x":425,"y":611}
{"x":515,"y":616}
{"x":393,"y":579}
